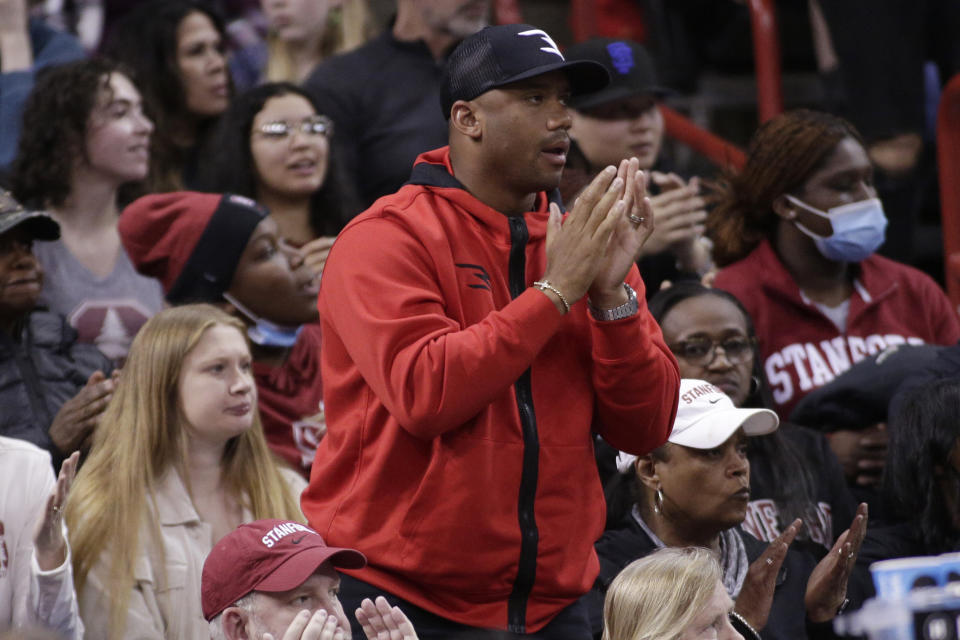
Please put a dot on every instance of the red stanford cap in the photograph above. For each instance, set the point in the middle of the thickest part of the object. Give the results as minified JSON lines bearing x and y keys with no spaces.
{"x":266,"y":555}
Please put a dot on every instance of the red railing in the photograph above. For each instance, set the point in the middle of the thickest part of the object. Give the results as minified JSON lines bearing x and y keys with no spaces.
{"x":766,"y":58}
{"x":948,"y":159}
{"x":766,"y":48}
{"x":583,"y":19}
{"x":713,"y":147}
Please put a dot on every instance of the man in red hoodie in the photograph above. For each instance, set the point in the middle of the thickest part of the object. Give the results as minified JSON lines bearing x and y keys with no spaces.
{"x":472,"y":344}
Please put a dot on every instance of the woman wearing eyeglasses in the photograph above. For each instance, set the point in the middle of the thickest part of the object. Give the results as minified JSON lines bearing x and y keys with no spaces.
{"x":271,"y":145}
{"x":794,"y":474}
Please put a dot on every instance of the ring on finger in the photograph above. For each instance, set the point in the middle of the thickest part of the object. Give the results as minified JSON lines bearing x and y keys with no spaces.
{"x":769,"y":561}
{"x":635,"y":219}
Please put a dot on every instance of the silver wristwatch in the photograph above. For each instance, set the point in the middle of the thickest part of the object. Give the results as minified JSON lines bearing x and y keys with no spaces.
{"x":625,"y":310}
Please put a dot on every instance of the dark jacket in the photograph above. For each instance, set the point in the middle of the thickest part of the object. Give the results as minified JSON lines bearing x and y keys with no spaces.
{"x":39,"y":371}
{"x":621,"y":546}
{"x":834,"y":504}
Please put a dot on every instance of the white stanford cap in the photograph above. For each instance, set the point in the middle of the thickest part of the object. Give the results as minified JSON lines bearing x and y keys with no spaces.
{"x":706,"y":418}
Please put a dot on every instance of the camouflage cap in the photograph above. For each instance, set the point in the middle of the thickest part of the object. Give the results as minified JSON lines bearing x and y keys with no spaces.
{"x":38,"y":223}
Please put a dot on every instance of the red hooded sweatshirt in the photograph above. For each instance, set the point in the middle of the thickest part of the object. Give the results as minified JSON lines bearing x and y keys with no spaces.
{"x":460,"y":406}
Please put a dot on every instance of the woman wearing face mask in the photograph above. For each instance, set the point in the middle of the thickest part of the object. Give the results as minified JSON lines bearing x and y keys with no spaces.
{"x":795,"y":234}
{"x":176,"y":51}
{"x":794,"y":474}
{"x":227,"y":251}
{"x":178,"y":462}
{"x":695,"y":490}
{"x":672,"y":594}
{"x":85,"y":137}
{"x":272,"y":146}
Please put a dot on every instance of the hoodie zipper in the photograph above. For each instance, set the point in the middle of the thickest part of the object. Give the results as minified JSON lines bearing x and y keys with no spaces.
{"x":529,"y":535}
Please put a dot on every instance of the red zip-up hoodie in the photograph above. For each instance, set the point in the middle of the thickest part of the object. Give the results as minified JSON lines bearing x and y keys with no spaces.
{"x":803,"y":350}
{"x":460,"y":406}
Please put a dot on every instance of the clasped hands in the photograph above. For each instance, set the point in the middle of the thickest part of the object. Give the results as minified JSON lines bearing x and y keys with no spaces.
{"x":592,"y":250}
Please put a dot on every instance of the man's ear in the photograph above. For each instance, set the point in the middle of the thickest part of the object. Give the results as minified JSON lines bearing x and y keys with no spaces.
{"x":647,"y":472}
{"x":465,"y":118}
{"x":784,"y":208}
{"x":234,"y":621}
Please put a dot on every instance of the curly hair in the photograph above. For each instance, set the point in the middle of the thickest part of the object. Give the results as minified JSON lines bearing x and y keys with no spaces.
{"x":146,"y":40}
{"x":923,"y":433}
{"x":55,"y":119}
{"x":226,"y":161}
{"x":782,"y":155}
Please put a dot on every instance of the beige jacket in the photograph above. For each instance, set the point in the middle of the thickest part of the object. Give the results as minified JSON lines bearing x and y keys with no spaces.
{"x":161,"y":609}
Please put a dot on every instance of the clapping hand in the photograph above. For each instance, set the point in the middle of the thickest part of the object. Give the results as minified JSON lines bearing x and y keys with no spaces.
{"x":380,"y":621}
{"x":756,"y":595}
{"x":827,"y":585}
{"x":633,"y":229}
{"x":316,"y":626}
{"x":48,"y":542}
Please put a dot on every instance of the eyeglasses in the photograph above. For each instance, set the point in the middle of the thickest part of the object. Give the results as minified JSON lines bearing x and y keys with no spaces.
{"x":702,"y":351}
{"x":313,"y":126}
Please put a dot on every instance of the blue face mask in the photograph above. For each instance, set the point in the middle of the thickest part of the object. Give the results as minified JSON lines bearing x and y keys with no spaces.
{"x":263,"y":332}
{"x":859,"y":229}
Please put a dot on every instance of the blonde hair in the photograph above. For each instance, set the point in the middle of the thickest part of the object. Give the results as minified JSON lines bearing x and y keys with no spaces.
{"x":348,"y":26}
{"x":657,"y":597}
{"x":139,"y":438}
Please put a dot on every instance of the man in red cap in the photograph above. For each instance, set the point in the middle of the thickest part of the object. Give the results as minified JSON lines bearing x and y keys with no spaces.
{"x":277,"y":578}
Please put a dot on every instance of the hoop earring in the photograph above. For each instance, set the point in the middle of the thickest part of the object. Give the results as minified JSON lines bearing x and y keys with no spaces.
{"x":658,"y":501}
{"x":754,"y":384}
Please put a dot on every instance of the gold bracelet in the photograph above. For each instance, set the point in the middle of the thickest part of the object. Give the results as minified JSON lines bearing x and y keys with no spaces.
{"x":543,"y":285}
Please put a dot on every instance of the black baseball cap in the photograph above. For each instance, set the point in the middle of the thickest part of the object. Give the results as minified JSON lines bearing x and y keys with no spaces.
{"x":630,"y":66}
{"x":13,"y":214}
{"x":501,"y":54}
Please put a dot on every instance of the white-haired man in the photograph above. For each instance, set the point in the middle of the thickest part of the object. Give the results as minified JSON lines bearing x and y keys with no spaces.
{"x":277,"y":580}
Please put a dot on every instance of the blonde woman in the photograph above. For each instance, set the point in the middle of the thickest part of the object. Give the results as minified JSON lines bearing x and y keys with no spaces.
{"x":303,"y":33}
{"x":673,"y":594}
{"x":179,"y":460}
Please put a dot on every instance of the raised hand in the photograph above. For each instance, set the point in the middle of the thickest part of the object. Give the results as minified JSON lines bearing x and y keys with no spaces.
{"x":827,"y":585}
{"x":317,"y":626}
{"x":315,"y":254}
{"x":628,"y":238}
{"x":15,"y":50}
{"x":577,"y":247}
{"x":756,"y":595}
{"x":380,"y":621}
{"x":679,"y":212}
{"x":48,"y":542}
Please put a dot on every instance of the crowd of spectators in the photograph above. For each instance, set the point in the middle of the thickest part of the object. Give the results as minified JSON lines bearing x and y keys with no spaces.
{"x":313,"y":330}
